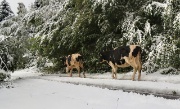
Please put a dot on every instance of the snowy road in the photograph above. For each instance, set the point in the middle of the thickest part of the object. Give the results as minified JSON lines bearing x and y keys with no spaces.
{"x":31,"y":93}
{"x":29,"y":90}
{"x":160,"y":89}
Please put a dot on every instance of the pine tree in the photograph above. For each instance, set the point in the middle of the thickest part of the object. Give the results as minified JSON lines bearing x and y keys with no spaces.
{"x":5,"y":10}
{"x":21,"y":10}
{"x":41,"y":3}
{"x":37,"y":4}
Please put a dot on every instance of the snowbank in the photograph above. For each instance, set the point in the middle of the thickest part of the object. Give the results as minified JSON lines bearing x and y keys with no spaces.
{"x":25,"y":73}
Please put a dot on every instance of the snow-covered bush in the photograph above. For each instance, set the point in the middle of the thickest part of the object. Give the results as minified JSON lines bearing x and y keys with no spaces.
{"x":4,"y":75}
{"x":176,"y":24}
{"x":169,"y":70}
{"x":161,"y":45}
{"x":162,"y":54}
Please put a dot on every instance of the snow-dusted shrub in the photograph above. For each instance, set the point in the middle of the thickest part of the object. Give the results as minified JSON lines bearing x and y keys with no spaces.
{"x":4,"y":75}
{"x":161,"y":44}
{"x":163,"y":53}
{"x":7,"y":26}
{"x":159,"y":14}
{"x":155,"y":8}
{"x":169,"y":70}
{"x":176,"y":24}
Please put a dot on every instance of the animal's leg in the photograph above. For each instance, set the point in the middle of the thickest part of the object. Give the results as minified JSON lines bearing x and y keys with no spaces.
{"x":67,"y":69}
{"x":135,"y":70}
{"x":71,"y":72}
{"x":135,"y":66}
{"x":139,"y":74}
{"x":84,"y":74}
{"x":112,"y":73}
{"x":82,"y":69}
{"x":113,"y":69}
{"x":115,"y":73}
{"x":133,"y":63}
{"x":78,"y":68}
{"x":139,"y":70}
{"x":139,"y":65}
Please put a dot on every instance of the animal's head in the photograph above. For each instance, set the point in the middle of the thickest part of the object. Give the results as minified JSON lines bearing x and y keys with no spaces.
{"x":104,"y":54}
{"x":102,"y":57}
{"x":63,"y":59}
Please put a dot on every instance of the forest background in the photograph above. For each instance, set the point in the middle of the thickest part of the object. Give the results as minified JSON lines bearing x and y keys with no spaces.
{"x":52,"y":29}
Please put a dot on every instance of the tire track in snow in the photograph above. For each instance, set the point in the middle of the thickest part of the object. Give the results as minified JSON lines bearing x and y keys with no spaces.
{"x":89,"y":82}
{"x":99,"y":82}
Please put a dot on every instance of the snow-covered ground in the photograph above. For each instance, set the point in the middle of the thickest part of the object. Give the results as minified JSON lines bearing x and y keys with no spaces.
{"x":31,"y":90}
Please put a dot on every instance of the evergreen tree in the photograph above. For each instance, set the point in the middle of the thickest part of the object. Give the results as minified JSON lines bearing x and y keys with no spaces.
{"x":21,"y":10}
{"x":37,"y":4}
{"x":41,"y":3}
{"x":5,"y":10}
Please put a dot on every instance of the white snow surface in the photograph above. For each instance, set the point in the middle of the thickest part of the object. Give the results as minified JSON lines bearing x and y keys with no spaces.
{"x":31,"y":90}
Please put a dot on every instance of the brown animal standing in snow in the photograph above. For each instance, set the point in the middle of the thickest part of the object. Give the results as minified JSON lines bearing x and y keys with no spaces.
{"x":123,"y":56}
{"x":74,"y":61}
